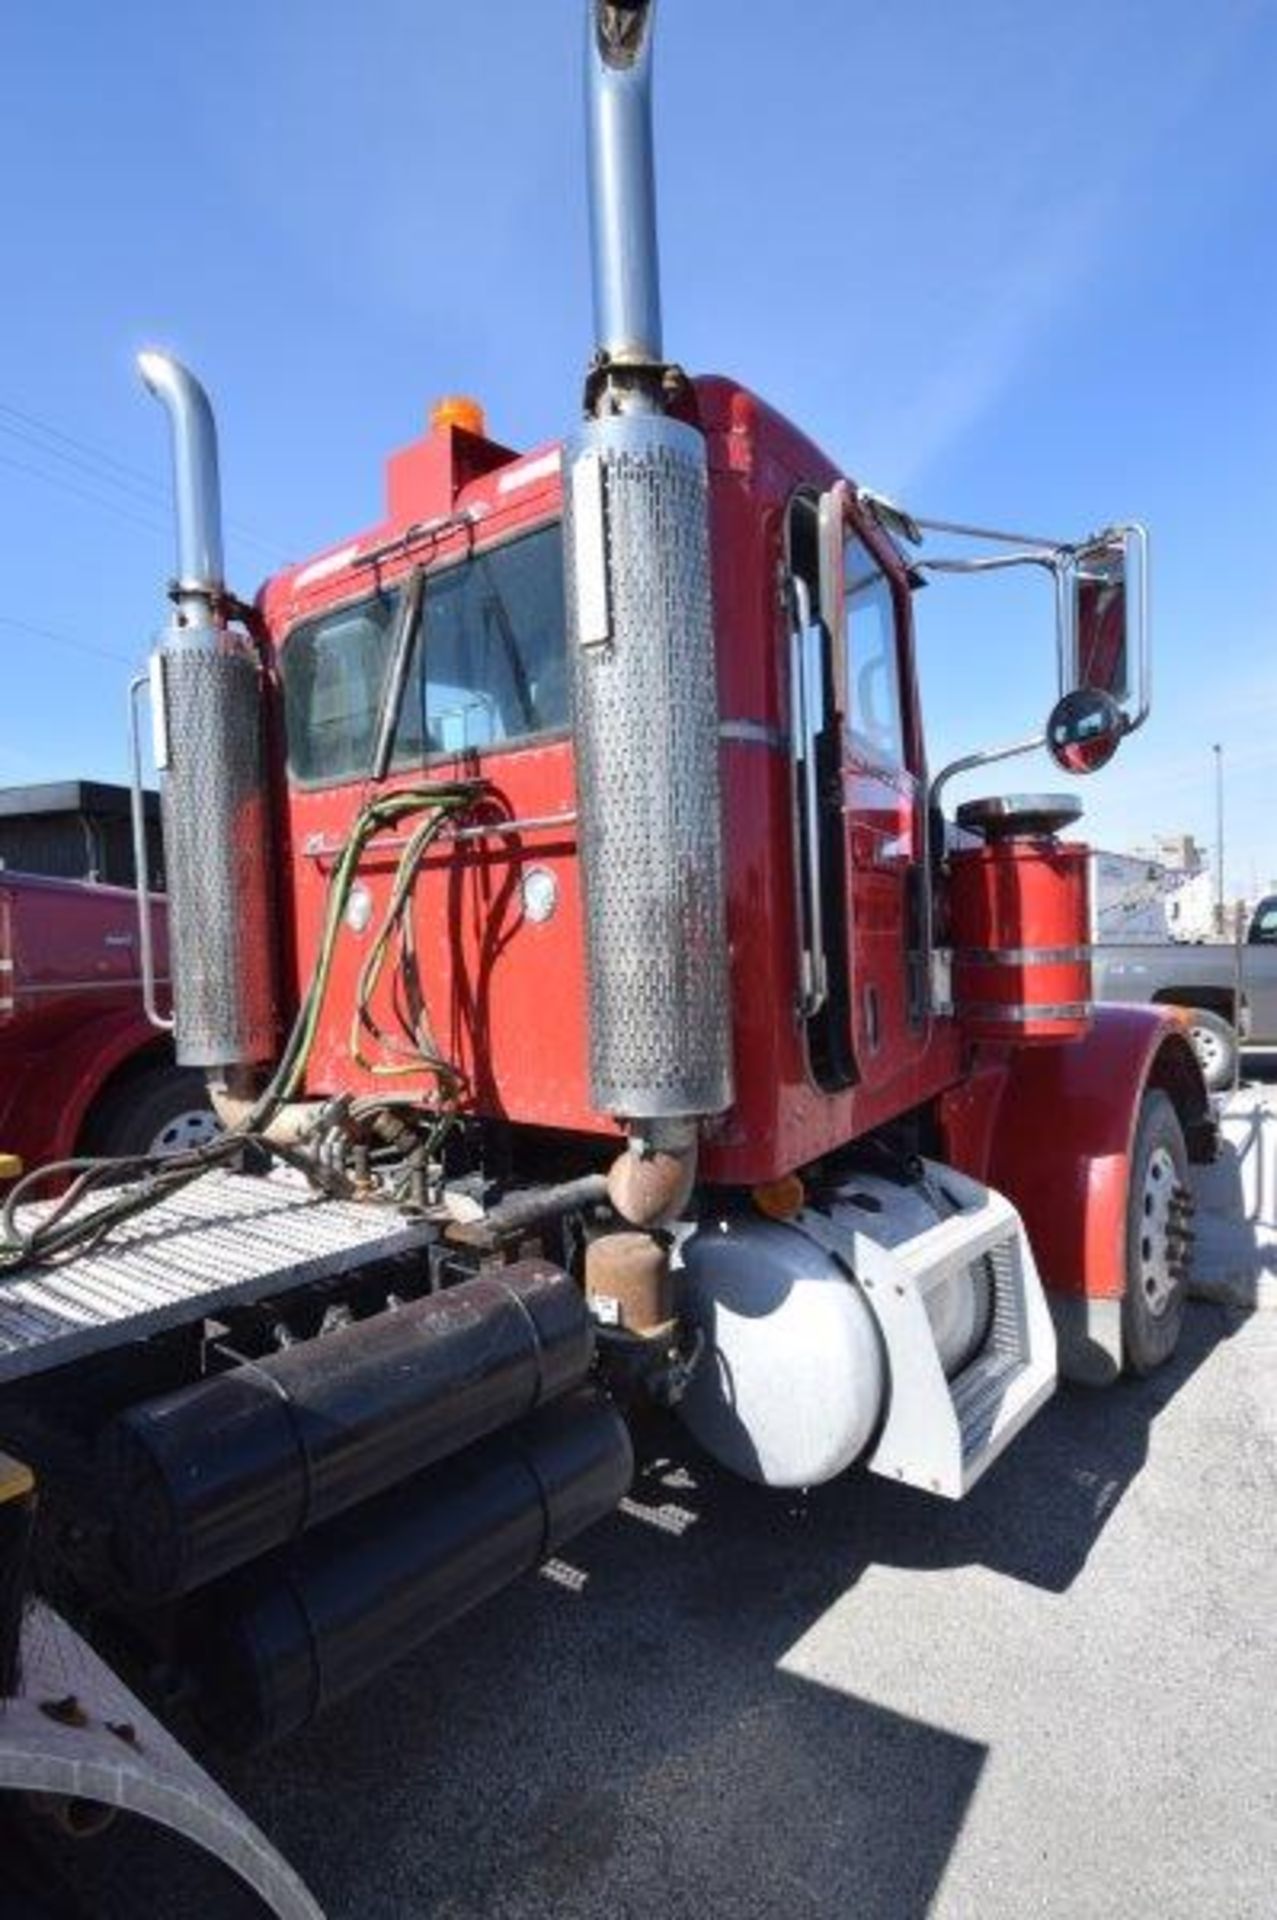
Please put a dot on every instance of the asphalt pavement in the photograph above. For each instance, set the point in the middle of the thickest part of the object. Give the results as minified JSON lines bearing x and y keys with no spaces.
{"x":1056,"y":1698}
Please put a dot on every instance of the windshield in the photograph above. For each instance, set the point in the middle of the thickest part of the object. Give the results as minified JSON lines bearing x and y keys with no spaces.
{"x":488,"y":665}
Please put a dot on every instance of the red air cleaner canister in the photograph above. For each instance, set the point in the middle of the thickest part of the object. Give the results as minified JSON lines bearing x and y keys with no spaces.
{"x":1019,"y":916}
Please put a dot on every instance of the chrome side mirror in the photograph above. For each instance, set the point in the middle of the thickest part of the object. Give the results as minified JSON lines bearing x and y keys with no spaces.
{"x":1085,"y":729}
{"x":1100,"y":619}
{"x":1104,"y":609}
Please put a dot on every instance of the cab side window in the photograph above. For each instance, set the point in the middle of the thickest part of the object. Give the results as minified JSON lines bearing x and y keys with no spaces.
{"x":876,"y":716}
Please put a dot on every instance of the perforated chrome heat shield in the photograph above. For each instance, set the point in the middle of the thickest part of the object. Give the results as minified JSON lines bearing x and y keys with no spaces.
{"x":216,"y":850}
{"x":645,"y":710}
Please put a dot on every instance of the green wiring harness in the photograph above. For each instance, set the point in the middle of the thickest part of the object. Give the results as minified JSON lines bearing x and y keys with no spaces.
{"x":65,"y":1228}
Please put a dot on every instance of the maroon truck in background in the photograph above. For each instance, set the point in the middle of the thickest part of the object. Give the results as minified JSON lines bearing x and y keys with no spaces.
{"x":82,"y":1070}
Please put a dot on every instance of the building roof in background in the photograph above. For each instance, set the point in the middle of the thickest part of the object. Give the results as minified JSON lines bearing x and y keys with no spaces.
{"x":98,"y":797}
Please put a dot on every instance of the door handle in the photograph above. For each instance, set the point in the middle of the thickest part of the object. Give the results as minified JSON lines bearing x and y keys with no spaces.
{"x":813,"y":972}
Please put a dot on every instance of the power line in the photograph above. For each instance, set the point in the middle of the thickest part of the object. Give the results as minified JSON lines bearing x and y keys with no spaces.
{"x":80,"y":447}
{"x":116,"y":507}
{"x":115,"y":472}
{"x":148,"y":491}
{"x":106,"y":468}
{"x":63,"y":639}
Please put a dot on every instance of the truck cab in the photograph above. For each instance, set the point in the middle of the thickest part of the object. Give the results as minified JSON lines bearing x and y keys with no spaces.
{"x":1262,"y":931}
{"x":828,"y":1029}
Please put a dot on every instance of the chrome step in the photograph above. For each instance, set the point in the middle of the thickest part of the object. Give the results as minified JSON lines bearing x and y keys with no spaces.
{"x":939,"y":1434}
{"x":979,"y":1394}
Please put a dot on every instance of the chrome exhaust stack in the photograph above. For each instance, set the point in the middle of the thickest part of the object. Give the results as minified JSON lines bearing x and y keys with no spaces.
{"x":622,"y":174}
{"x":207,"y":691}
{"x":197,"y":489}
{"x":645,"y":706}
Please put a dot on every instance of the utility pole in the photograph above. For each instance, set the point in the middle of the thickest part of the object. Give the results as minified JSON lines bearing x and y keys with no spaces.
{"x":1218,"y":751}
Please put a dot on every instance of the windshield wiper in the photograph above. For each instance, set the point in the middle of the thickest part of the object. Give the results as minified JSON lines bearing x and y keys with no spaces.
{"x":392,"y":691}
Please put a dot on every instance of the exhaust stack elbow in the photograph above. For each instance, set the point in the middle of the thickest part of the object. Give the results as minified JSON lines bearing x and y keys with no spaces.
{"x":622,"y":181}
{"x":651,"y":1181}
{"x":214,"y":789}
{"x":196,"y":485}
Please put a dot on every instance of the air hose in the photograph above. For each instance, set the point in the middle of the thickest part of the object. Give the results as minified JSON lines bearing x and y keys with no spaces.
{"x":66,"y":1227}
{"x":440,"y":800}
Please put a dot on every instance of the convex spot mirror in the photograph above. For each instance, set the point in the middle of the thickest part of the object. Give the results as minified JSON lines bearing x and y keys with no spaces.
{"x":1084,"y":730}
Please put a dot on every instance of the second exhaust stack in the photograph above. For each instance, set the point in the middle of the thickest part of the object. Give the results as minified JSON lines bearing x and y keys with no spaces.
{"x":214,"y":795}
{"x":641,"y":635}
{"x":618,"y":115}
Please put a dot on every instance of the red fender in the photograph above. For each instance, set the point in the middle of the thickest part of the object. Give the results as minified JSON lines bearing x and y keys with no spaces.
{"x":1053,"y":1128}
{"x":48,"y":1103}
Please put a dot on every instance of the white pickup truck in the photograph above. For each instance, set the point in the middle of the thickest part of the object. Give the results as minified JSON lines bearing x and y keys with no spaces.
{"x":1230,"y":990}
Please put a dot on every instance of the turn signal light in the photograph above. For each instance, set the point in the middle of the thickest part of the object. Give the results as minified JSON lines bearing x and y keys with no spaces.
{"x":16,"y":1479}
{"x":781,"y":1199}
{"x":458,"y":410}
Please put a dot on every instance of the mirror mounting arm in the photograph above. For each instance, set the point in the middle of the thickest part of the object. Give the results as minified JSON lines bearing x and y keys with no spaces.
{"x":970,"y":761}
{"x":935,"y":996}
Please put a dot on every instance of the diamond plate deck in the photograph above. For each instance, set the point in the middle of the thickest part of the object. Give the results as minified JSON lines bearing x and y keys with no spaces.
{"x":224,"y":1241}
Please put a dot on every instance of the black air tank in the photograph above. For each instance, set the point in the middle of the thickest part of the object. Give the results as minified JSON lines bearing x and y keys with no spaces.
{"x":274,"y":1644}
{"x":209,"y":1477}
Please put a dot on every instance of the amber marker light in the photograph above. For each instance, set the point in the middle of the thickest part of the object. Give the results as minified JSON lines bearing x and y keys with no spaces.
{"x":780,"y":1199}
{"x":458,"y":410}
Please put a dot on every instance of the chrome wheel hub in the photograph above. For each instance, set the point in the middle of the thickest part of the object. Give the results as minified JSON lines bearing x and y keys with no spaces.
{"x":185,"y":1131}
{"x":1208,"y":1047}
{"x":1164,"y":1231}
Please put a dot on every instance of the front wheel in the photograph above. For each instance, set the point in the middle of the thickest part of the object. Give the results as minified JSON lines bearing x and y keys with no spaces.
{"x":1216,"y":1045}
{"x":1159,"y":1237}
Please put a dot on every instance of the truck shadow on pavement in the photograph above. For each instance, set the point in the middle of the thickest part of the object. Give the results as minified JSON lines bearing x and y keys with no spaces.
{"x":1235,"y":1257}
{"x":1040,"y":1509}
{"x":619,"y":1740}
{"x":621,"y":1736}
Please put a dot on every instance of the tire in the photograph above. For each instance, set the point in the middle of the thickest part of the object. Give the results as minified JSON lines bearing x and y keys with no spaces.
{"x":1159,"y":1210}
{"x":161,"y":1111}
{"x":1216,"y":1045}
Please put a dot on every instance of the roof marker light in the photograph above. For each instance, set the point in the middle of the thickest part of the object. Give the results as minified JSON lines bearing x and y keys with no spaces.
{"x":458,"y":410}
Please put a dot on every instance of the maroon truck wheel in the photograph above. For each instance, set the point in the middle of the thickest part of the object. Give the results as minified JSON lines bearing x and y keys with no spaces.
{"x":164,"y":1110}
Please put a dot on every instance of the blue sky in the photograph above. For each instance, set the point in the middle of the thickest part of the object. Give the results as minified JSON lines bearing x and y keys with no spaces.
{"x":1013,"y":263}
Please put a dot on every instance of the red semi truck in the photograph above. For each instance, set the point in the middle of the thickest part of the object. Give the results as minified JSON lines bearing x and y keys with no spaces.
{"x":561,"y":896}
{"x":82,"y":1069}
